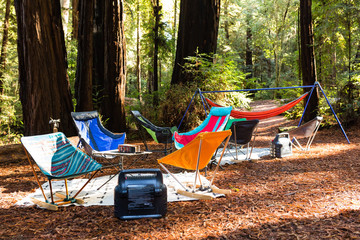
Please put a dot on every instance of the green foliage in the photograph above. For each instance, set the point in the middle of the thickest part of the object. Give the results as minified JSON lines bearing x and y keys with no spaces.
{"x":210,"y":74}
{"x":348,"y":105}
{"x":175,"y":103}
{"x":11,"y":127}
{"x":166,"y":45}
{"x":71,"y":47}
{"x":219,"y":73}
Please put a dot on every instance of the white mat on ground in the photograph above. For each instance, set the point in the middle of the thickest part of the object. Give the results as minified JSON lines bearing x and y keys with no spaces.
{"x":105,"y":196}
{"x":230,"y":155}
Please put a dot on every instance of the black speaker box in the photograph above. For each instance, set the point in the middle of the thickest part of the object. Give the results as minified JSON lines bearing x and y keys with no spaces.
{"x":140,"y":193}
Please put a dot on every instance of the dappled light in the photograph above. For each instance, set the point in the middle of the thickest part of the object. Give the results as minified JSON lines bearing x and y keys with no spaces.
{"x":157,"y":58}
{"x":311,"y":193}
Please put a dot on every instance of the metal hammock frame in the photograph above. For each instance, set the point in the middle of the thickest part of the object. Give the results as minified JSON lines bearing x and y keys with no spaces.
{"x":312,"y":88}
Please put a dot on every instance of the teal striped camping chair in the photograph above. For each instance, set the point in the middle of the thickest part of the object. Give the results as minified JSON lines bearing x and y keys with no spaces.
{"x":214,"y":122}
{"x":159,"y":134}
{"x":58,"y":159}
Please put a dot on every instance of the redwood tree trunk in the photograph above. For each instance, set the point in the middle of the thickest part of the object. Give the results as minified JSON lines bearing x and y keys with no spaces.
{"x":249,"y":61}
{"x":156,"y":9}
{"x":98,"y":57}
{"x":138,"y":64}
{"x":113,"y":102}
{"x":75,"y":18}
{"x":84,"y":74}
{"x":307,"y":57}
{"x":4,"y":45}
{"x":198,"y":30}
{"x":44,"y":86}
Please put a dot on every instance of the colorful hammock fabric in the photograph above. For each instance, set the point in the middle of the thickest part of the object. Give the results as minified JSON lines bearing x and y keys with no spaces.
{"x":215,"y":121}
{"x":57,"y":158}
{"x":261,"y":114}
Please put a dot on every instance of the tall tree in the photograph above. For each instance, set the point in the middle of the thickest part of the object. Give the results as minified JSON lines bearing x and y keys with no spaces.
{"x":75,"y":18}
{"x":98,"y":57}
{"x":156,"y":10}
{"x":84,"y":76}
{"x":44,"y":86}
{"x":198,"y":30}
{"x":100,"y":81}
{"x":308,"y":65}
{"x":4,"y":45}
{"x":138,"y":65}
{"x":249,"y":51}
{"x":113,"y":101}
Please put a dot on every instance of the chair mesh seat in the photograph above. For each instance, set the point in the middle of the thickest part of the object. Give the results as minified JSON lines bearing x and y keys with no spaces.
{"x":57,"y":157}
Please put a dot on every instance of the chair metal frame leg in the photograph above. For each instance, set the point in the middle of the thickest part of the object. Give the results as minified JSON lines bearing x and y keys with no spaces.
{"x":311,"y":139}
{"x":247,"y":155}
{"x":65,"y":199}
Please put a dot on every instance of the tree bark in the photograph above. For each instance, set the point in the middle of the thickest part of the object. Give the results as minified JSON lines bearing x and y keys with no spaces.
{"x":198,"y":30}
{"x":84,"y":70}
{"x":44,"y":86}
{"x":156,"y":10}
{"x":138,"y":66}
{"x":248,"y":58}
{"x":75,"y":19}
{"x":98,"y":57}
{"x":113,"y":103}
{"x":308,"y":58}
{"x":4,"y":45}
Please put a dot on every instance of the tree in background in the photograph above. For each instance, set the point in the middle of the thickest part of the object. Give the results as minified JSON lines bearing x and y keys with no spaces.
{"x":75,"y":18}
{"x":114,"y":82}
{"x":155,"y":83}
{"x":44,"y":86}
{"x":308,"y":65}
{"x":84,"y":74}
{"x":4,"y":45}
{"x":198,"y":31}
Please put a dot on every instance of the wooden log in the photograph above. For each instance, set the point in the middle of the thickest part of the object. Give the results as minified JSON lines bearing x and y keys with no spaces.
{"x":45,"y":205}
{"x":195,"y":195}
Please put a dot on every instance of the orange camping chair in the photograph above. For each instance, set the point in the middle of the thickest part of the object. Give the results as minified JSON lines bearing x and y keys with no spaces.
{"x":195,"y":156}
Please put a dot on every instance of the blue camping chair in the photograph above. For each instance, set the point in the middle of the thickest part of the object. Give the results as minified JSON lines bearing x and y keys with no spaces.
{"x":96,"y":140}
{"x":57,"y":158}
{"x":94,"y":134}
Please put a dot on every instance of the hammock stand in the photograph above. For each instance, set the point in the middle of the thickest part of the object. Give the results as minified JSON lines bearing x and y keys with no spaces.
{"x":276,"y":111}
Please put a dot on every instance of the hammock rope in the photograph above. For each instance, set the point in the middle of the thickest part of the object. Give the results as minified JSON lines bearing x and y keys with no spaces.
{"x":261,"y":114}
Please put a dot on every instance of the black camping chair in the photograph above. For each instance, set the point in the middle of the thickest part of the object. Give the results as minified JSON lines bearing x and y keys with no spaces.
{"x":159,"y":134}
{"x":244,"y":133}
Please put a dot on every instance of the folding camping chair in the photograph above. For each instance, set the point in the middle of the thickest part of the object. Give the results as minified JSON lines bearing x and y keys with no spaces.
{"x":195,"y":156}
{"x":95,"y":138}
{"x":307,"y":130}
{"x":57,"y":159}
{"x":244,"y":133}
{"x":215,"y":121}
{"x":159,"y":134}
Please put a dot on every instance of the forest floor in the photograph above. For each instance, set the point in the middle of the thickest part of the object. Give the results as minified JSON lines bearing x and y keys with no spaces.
{"x":309,"y":195}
